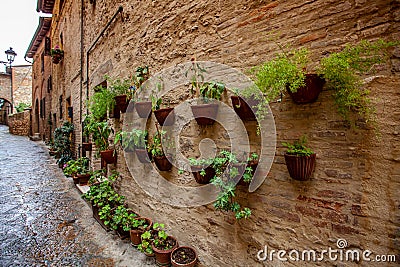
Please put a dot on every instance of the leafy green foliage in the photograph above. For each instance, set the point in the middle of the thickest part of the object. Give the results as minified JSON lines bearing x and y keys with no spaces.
{"x":100,"y":131}
{"x":79,"y":166}
{"x":211,"y":90}
{"x":62,"y":142}
{"x":122,"y":217}
{"x":342,"y":71}
{"x":101,"y":102}
{"x":22,"y":106}
{"x":159,"y":140}
{"x":298,"y":147}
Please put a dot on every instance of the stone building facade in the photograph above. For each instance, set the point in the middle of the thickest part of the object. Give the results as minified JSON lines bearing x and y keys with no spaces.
{"x":353,"y":194}
{"x":39,"y":51}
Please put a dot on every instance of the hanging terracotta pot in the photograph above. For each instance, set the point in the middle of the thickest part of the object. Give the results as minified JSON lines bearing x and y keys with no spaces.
{"x":163,"y":163}
{"x":205,"y":114}
{"x":165,"y":116}
{"x":108,"y":156}
{"x":87,"y":146}
{"x":300,"y":167}
{"x":244,"y":108}
{"x":196,"y":170}
{"x":142,"y":155}
{"x":143,"y":109}
{"x":56,"y":58}
{"x":122,"y":102}
{"x":135,"y":234}
{"x":163,"y":257}
{"x":184,"y":257}
{"x":308,"y":93}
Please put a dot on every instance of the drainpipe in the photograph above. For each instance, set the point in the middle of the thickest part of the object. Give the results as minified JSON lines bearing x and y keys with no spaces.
{"x":81,"y":77}
{"x":120,"y":9}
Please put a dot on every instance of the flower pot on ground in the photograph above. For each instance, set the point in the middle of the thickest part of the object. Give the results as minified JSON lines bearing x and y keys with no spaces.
{"x":300,"y":160}
{"x":165,"y":116}
{"x":310,"y":91}
{"x":147,"y":239}
{"x":83,"y":178}
{"x":244,"y":107}
{"x":184,"y":257}
{"x":123,"y":220}
{"x":163,"y":162}
{"x":122,"y":102}
{"x":163,"y":246}
{"x":109,"y":156}
{"x":143,"y":109}
{"x":75,"y":178}
{"x":138,"y":228}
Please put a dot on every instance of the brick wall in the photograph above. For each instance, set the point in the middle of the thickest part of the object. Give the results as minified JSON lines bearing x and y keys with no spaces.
{"x":353,"y":192}
{"x":19,"y":123}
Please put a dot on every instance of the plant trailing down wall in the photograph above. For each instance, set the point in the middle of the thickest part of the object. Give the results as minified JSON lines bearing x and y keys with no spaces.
{"x":62,"y":142}
{"x":342,"y":71}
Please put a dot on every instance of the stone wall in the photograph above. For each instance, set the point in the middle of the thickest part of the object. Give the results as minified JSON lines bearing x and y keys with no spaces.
{"x":5,"y":86}
{"x":19,"y":123}
{"x":22,"y":83}
{"x":352,"y":193}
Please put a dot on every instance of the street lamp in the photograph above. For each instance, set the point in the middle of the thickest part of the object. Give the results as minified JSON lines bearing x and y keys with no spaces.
{"x":10,"y":58}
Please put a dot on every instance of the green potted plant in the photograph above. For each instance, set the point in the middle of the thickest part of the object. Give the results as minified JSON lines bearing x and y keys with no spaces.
{"x":122,"y":220}
{"x":162,"y":160}
{"x":163,"y":245}
{"x":100,"y":131}
{"x":101,"y":102}
{"x":343,"y":71}
{"x":137,"y":227}
{"x":300,"y":160}
{"x":62,"y":142}
{"x":184,"y":257}
{"x":202,"y":170}
{"x":56,"y":54}
{"x":245,"y":107}
{"x":122,"y":89}
{"x":143,"y":108}
{"x":83,"y":172}
{"x":165,"y":116}
{"x":206,"y":111}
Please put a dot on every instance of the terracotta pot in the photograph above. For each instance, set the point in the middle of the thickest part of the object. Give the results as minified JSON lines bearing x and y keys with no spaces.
{"x":205,"y":114}
{"x":136,"y":233}
{"x":83,"y":178}
{"x":75,"y":178}
{"x":142,"y":155}
{"x":210,"y":172}
{"x":244,"y":108}
{"x":188,"y":262}
{"x":122,"y":234}
{"x":122,"y":102}
{"x":95,"y":211}
{"x":143,"y":109}
{"x":163,"y":257}
{"x":163,"y":163}
{"x":108,"y":156}
{"x":300,"y":167}
{"x":87,"y":146}
{"x":165,"y":116}
{"x":310,"y":92}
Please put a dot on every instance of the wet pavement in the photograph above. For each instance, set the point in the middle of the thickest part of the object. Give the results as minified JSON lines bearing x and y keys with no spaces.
{"x":44,"y":221}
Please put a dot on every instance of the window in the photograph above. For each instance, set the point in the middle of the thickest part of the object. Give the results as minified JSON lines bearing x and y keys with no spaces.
{"x":42,"y":62}
{"x":47,"y":46}
{"x":60,"y":103}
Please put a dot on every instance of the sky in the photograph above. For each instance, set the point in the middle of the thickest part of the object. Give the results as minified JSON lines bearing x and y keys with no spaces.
{"x":18,"y":23}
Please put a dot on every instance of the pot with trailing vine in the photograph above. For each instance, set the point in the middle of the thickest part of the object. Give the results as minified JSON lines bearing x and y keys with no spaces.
{"x":184,"y":257}
{"x":309,"y":92}
{"x":138,"y":227}
{"x":163,"y":247}
{"x":300,"y":160}
{"x":245,"y":108}
{"x":202,"y":170}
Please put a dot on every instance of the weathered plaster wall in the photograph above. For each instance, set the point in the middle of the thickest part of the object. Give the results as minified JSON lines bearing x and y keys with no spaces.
{"x":353,"y":191}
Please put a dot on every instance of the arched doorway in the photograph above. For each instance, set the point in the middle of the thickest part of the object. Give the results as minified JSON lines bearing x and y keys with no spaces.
{"x":5,"y":109}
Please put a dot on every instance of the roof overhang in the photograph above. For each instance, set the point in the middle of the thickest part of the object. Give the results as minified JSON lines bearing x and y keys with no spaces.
{"x":41,"y":31}
{"x":45,"y":6}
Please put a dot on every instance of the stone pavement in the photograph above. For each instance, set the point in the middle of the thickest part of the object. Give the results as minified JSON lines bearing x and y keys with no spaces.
{"x":44,"y":221}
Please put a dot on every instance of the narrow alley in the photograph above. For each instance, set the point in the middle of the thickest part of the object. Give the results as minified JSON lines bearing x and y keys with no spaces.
{"x":44,"y":221}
